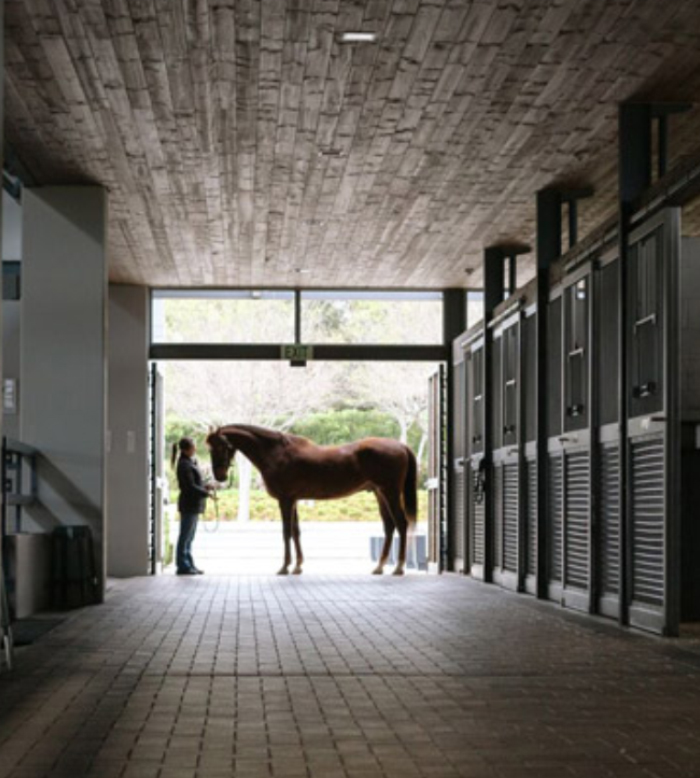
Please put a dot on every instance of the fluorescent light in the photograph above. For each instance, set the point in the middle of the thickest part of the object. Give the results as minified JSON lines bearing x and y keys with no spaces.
{"x":358,"y":37}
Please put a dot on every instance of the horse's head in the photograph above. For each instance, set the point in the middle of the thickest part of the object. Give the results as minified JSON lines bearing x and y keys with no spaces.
{"x":222,"y":453}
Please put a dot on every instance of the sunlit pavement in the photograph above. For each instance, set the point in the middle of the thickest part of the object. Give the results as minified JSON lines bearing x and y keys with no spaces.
{"x":252,"y":548}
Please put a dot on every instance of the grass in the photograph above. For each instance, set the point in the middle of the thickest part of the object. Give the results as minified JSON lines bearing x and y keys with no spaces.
{"x":359,"y":507}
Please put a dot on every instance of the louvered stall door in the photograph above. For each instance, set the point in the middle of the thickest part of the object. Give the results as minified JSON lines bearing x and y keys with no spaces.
{"x":476,"y":524}
{"x":474,"y":361}
{"x":555,"y":463}
{"x":459,"y":506}
{"x":529,"y":373}
{"x":609,"y":535}
{"x":653,"y":444}
{"x":648,"y":522}
{"x":555,"y":493}
{"x":511,"y":452}
{"x":531,"y":524}
{"x":576,"y":439}
{"x":607,"y":549}
{"x":577,"y":493}
{"x":460,"y":515}
{"x":495,"y":488}
{"x":498,"y":518}
{"x":510,"y":510}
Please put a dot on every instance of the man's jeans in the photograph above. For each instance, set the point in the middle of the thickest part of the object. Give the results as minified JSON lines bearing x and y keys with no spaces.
{"x":188,"y":527}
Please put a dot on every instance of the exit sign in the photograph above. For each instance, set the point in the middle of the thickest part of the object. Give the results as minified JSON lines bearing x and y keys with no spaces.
{"x":297,"y":353}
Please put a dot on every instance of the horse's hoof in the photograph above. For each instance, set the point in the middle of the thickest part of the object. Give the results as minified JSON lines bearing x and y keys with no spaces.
{"x":283,"y":571}
{"x":377,"y":571}
{"x":398,"y":571}
{"x":297,"y":571}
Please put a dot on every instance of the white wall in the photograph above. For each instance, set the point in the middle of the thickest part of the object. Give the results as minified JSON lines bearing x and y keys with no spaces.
{"x":11,"y":252}
{"x":63,"y":408}
{"x":11,"y":229}
{"x":127,"y":473}
{"x":11,"y":361}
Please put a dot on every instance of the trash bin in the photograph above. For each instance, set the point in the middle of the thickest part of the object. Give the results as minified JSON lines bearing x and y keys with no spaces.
{"x":73,"y":570}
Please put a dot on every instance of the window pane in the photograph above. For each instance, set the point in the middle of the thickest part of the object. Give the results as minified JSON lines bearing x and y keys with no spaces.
{"x":222,"y":317}
{"x":378,"y":318}
{"x":475,"y":308}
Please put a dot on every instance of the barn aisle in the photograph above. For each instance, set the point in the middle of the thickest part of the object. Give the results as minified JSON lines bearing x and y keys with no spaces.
{"x":345,"y":677}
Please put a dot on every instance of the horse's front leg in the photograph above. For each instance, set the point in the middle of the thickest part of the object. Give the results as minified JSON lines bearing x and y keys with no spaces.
{"x":286,"y":509}
{"x":296,"y":537}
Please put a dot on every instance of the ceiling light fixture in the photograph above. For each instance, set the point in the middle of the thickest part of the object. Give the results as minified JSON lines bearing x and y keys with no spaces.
{"x":358,"y":37}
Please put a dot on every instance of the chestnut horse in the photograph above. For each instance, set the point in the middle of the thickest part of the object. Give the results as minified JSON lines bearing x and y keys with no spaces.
{"x":293,"y":468}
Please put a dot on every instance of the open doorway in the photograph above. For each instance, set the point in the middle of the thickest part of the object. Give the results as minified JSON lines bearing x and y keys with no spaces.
{"x":330,"y":403}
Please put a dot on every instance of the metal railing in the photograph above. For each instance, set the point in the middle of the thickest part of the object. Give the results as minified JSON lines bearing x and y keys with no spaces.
{"x":17,"y":462}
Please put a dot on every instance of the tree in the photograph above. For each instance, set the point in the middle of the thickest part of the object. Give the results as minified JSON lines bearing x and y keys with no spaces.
{"x":201,"y":394}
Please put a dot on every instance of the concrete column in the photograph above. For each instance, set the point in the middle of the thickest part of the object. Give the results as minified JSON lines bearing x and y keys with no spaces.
{"x":63,"y":409}
{"x":127,"y":471}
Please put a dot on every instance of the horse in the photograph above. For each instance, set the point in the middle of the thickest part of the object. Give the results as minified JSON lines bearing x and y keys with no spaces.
{"x":294,"y":468}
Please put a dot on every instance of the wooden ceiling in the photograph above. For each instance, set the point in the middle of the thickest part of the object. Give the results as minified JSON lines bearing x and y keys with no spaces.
{"x":244,"y":145}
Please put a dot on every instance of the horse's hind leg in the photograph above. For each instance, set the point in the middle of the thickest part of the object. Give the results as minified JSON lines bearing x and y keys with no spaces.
{"x":296,"y":537}
{"x":389,"y":526}
{"x":397,"y":511}
{"x":287,"y":510}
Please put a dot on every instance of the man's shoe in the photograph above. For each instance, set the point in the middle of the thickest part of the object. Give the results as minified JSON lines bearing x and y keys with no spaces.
{"x":198,"y":571}
{"x":186,"y":572}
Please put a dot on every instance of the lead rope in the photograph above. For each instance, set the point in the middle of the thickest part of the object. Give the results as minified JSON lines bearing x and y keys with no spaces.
{"x":215,"y":522}
{"x":215,"y":500}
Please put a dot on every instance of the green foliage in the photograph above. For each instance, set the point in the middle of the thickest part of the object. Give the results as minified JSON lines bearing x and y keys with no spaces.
{"x":330,"y":428}
{"x":359,"y":507}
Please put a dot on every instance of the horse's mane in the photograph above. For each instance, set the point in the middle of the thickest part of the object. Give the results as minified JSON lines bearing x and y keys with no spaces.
{"x":261,"y":432}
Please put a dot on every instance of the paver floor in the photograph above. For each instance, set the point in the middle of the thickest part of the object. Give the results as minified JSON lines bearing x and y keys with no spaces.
{"x":345,"y":677}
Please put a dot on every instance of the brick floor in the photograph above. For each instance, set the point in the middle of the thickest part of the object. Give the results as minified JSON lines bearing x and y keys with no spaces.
{"x":345,"y":677}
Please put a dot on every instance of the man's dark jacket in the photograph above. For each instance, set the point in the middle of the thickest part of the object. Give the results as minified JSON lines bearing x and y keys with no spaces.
{"x":193,"y":495}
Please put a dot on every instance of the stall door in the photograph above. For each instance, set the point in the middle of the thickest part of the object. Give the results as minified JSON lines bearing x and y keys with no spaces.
{"x":437,"y":486}
{"x":507,"y":432}
{"x":607,"y":547}
{"x":459,"y":496}
{"x":576,"y":445}
{"x":652,"y":428}
{"x":494,"y":478}
{"x":475,"y":465}
{"x":555,"y":456}
{"x":528,"y":543}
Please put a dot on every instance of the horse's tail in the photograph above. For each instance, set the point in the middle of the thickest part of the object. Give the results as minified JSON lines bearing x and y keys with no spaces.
{"x":173,"y":455}
{"x":410,"y":489}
